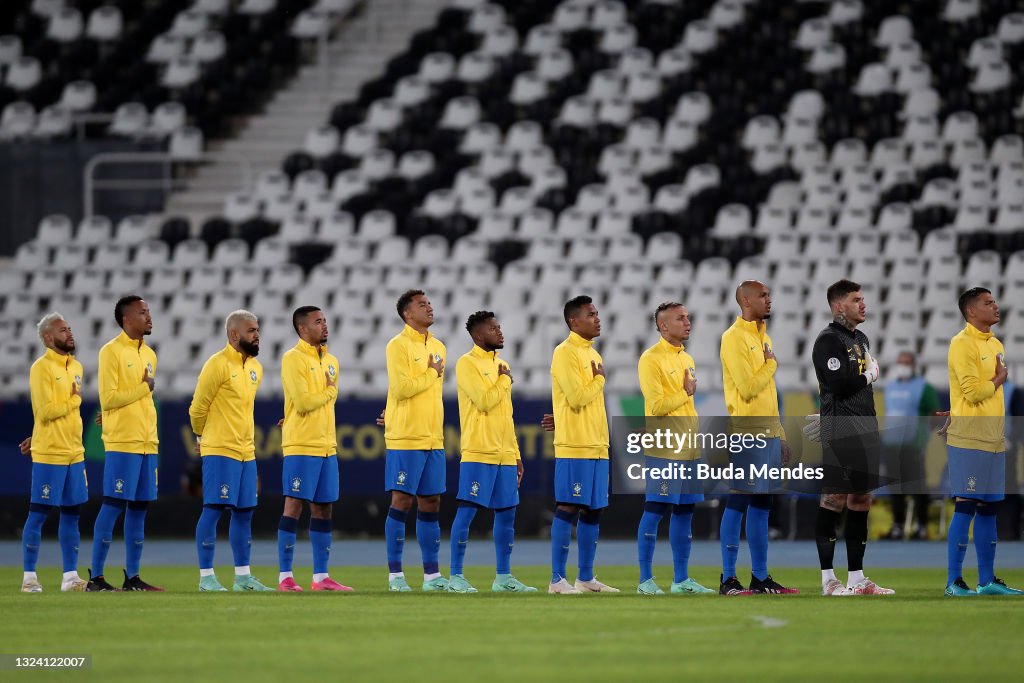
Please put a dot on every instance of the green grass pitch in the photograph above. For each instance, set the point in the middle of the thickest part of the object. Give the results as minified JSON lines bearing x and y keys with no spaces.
{"x":376,"y":636}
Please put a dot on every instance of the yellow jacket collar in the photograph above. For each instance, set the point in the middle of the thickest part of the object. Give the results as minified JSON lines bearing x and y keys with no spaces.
{"x":577,"y":340}
{"x":478,"y":352}
{"x":665,"y":346}
{"x":235,"y":356}
{"x":123,"y":338}
{"x":751,"y":326}
{"x":414,"y":335}
{"x":310,"y":350}
{"x":55,"y":357}
{"x":973,"y":331}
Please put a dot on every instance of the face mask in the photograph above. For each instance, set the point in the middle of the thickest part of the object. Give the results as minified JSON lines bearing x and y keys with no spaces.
{"x":902,"y":371}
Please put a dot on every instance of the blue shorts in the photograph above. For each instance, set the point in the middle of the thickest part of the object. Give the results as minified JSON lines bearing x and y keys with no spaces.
{"x":418,"y":473}
{"x":675,"y":491}
{"x":130,"y":476}
{"x":59,"y":484}
{"x":770,"y":455}
{"x":311,"y":478}
{"x":230,"y":482}
{"x":491,"y":486}
{"x":582,"y":482}
{"x":978,"y":475}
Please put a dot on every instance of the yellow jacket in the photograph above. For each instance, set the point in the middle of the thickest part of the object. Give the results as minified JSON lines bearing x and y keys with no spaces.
{"x":221,"y":409}
{"x":485,"y":409}
{"x":414,"y":414}
{"x":749,"y":380}
{"x":662,"y":370}
{"x":581,"y":423}
{"x":976,"y":407}
{"x":309,"y":401}
{"x":57,"y":420}
{"x":129,"y":414}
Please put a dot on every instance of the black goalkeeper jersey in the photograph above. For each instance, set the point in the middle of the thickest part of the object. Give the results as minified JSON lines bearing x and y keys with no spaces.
{"x":839,"y":360}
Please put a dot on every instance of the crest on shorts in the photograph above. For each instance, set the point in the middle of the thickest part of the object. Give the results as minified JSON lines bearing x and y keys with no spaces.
{"x":664,"y":488}
{"x":577,"y":489}
{"x":224,"y":490}
{"x":252,"y":376}
{"x":46,"y":491}
{"x":402,"y":476}
{"x":474,"y":488}
{"x":119,"y":486}
{"x":972,"y":483}
{"x":296,"y":483}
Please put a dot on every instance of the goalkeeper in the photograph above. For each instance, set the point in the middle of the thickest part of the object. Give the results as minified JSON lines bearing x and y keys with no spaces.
{"x":848,"y":431}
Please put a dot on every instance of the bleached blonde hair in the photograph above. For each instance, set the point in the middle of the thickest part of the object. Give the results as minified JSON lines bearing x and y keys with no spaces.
{"x":43,"y":326}
{"x":235,"y":317}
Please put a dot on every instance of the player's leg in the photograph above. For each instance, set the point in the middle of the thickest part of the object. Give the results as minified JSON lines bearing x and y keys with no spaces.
{"x":729,"y":538}
{"x":287,"y":532}
{"x":320,"y":525}
{"x":75,"y":493}
{"x":595,"y":474}
{"x":646,"y":540}
{"x":118,"y":479}
{"x":240,"y":530}
{"x":680,"y":534}
{"x":221,"y":479}
{"x":858,"y":505}
{"x":402,"y":470}
{"x":757,"y":523}
{"x":985,"y":534}
{"x":476,"y":485}
{"x":39,"y":509}
{"x":830,"y":509}
{"x":964,"y":510}
{"x":561,"y":537}
{"x":505,"y":500}
{"x":428,"y":527}
{"x":142,"y":493}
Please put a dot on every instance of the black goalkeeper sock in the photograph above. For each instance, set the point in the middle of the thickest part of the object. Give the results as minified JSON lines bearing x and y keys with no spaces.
{"x":856,"y":538}
{"x":825,"y":536}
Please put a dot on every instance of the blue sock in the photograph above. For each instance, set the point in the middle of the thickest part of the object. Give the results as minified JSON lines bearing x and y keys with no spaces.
{"x":681,"y":539}
{"x":757,"y":535}
{"x":206,"y":535}
{"x":134,"y":536}
{"x":32,"y":535}
{"x":240,"y":535}
{"x":320,"y":532}
{"x":504,"y":538}
{"x":647,"y":537}
{"x":561,"y":538}
{"x":286,"y":529}
{"x":69,"y":536}
{"x":587,"y":531}
{"x":103,"y":532}
{"x":460,"y":534}
{"x":729,"y":533}
{"x":428,"y":535}
{"x":956,"y":542}
{"x":394,"y":538}
{"x":985,"y":539}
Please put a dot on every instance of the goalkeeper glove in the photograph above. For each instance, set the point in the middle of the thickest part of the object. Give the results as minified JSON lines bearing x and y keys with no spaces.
{"x":871,"y":370}
{"x":812,"y":430}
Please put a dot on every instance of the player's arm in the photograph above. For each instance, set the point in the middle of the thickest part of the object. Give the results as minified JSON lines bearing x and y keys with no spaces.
{"x":578,"y":392}
{"x":400,"y":382}
{"x":749,"y":381}
{"x":48,"y":403}
{"x":651,"y":386}
{"x":113,"y":396}
{"x":293,"y":379}
{"x":839,"y":375}
{"x":963,"y":361}
{"x":211,"y":377}
{"x":482,"y":394}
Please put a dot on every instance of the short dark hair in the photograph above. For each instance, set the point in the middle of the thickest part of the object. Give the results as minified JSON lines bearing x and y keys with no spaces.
{"x":123,"y":303}
{"x":300,"y":313}
{"x":969,"y":297}
{"x":837,"y":290}
{"x":664,"y":306}
{"x":573,"y":306}
{"x":405,"y":300}
{"x":478,"y":318}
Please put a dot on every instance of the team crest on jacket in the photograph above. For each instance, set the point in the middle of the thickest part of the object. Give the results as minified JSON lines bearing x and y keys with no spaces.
{"x":972,"y":484}
{"x":474,"y":488}
{"x":119,"y":486}
{"x":149,"y":369}
{"x":577,"y":489}
{"x":252,"y":376}
{"x":46,"y":491}
{"x":224,"y":490}
{"x":402,"y":476}
{"x":78,"y":380}
{"x":330,"y":370}
{"x":296,"y":484}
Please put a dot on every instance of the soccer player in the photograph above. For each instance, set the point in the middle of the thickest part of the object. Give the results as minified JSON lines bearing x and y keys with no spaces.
{"x":581,"y":447}
{"x":668,"y":381}
{"x":127,"y":375}
{"x":851,"y":445}
{"x":975,"y":443}
{"x":221,"y":413}
{"x":414,"y":440}
{"x":58,"y":456}
{"x":491,"y":468}
{"x":748,"y":375}
{"x":310,"y":445}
